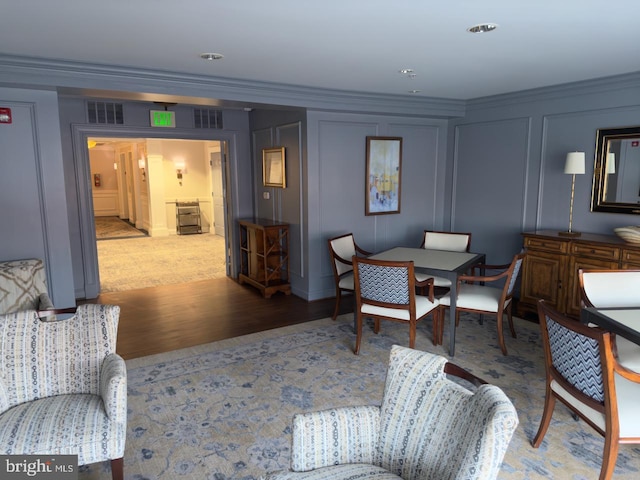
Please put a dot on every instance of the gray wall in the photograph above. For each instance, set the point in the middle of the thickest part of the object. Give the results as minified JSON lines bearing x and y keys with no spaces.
{"x":490,"y":166}
{"x":32,"y":189}
{"x":507,"y":157}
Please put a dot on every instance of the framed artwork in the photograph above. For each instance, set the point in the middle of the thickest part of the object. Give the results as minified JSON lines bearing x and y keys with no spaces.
{"x":273,"y":171}
{"x":384,"y":162}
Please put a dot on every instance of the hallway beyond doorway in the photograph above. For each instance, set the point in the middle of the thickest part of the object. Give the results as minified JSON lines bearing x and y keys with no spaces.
{"x":134,"y":263}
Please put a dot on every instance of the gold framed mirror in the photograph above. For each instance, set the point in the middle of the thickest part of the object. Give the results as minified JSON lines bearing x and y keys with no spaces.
{"x":616,"y":173}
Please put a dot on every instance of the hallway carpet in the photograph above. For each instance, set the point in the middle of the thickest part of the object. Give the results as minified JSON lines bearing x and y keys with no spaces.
{"x":114,"y":227}
{"x":132,"y":263}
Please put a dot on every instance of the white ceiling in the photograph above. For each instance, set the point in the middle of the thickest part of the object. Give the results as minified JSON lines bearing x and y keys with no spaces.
{"x":352,"y":45}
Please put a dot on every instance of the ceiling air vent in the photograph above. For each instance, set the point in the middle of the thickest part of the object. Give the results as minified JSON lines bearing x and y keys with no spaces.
{"x":105,"y":113}
{"x":206,"y":118}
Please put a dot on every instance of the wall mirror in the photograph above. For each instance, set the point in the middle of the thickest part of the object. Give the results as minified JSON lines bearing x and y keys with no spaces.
{"x":616,"y":174}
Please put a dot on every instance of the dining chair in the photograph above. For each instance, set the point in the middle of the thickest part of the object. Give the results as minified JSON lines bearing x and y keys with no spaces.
{"x":582,"y":372}
{"x":436,"y":421}
{"x":450,"y":241}
{"x":613,"y":289}
{"x":342,"y":249}
{"x":487,"y":299}
{"x":386,"y":290}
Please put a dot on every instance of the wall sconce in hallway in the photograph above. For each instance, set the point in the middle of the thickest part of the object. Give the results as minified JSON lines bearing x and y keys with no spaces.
{"x":574,"y":165}
{"x":180,"y":169}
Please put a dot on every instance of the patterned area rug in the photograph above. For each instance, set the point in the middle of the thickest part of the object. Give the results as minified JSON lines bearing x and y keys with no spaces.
{"x":114,"y":227}
{"x":127,"y":264}
{"x":223,"y":411}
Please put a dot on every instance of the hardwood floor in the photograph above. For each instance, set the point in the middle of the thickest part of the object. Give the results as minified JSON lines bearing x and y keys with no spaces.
{"x":160,"y":319}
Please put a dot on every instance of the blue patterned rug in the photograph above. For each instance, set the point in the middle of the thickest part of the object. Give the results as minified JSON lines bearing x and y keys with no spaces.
{"x":223,"y":411}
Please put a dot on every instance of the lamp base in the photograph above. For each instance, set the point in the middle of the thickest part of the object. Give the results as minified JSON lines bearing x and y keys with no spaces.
{"x":570,"y":234}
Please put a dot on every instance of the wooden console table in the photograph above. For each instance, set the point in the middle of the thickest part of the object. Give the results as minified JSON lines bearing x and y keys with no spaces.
{"x":550,"y":269}
{"x":264,"y":255}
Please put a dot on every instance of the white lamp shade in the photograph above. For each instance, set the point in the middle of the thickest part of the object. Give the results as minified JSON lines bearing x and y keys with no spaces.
{"x":611,"y":163}
{"x":575,"y":163}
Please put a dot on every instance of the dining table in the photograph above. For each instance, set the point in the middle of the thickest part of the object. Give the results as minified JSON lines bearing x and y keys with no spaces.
{"x":441,"y":263}
{"x":621,"y":321}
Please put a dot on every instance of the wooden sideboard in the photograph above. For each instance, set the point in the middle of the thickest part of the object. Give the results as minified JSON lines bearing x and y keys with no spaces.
{"x":550,"y":269}
{"x":264,"y":256}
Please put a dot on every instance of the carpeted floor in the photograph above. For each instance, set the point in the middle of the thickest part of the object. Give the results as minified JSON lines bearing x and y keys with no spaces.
{"x":223,"y":411}
{"x":127,"y":264}
{"x":113,"y":227}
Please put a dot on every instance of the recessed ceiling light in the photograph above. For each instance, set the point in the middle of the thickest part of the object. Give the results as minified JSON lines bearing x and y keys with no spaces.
{"x":211,"y":56}
{"x":414,"y":91}
{"x":482,"y":28}
{"x":406,"y":70}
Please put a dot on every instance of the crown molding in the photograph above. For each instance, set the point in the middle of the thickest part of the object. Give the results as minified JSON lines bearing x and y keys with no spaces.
{"x":83,"y":77}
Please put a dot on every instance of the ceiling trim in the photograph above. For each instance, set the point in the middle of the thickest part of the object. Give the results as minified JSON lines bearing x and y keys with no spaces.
{"x":37,"y":72}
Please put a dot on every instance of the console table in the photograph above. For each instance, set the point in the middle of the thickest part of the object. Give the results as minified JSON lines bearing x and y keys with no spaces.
{"x":264,"y":255}
{"x":550,"y":269}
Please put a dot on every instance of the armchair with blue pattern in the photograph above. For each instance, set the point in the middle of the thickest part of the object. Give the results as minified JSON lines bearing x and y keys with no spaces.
{"x":428,"y":427}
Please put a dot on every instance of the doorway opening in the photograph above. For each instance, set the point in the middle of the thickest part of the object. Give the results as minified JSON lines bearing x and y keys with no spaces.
{"x":137,"y":185}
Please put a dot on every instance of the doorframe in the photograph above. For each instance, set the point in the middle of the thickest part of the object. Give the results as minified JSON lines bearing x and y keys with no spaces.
{"x":80,"y":135}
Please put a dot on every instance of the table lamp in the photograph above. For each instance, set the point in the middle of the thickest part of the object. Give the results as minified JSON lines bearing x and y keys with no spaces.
{"x":574,"y":165}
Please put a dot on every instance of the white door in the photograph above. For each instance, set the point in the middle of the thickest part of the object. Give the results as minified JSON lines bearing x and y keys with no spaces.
{"x":217,"y":189}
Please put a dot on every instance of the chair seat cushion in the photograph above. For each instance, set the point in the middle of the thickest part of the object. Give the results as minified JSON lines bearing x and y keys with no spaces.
{"x":437,"y":281}
{"x":346,"y":282}
{"x":423,"y":306}
{"x":74,"y":424}
{"x":360,"y":471}
{"x":476,"y":297}
{"x":627,"y":393}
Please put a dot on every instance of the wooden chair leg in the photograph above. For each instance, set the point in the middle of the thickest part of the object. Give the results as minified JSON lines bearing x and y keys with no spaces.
{"x":609,"y":456}
{"x":358,"y":333}
{"x":510,"y":317}
{"x":549,"y":405}
{"x":117,"y":469}
{"x":503,"y":346}
{"x":412,"y":334}
{"x":336,"y":310}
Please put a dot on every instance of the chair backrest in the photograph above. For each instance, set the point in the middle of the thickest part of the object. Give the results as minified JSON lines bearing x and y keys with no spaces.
{"x":451,"y":241}
{"x":574,"y":356}
{"x":21,"y":284}
{"x":41,"y":359}
{"x":609,"y":288}
{"x":514,"y":271}
{"x":342,"y":247}
{"x":384,"y":283}
{"x":432,"y":427}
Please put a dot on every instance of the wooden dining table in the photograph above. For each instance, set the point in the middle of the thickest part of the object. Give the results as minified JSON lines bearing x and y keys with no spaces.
{"x":621,"y":321}
{"x":441,"y":263}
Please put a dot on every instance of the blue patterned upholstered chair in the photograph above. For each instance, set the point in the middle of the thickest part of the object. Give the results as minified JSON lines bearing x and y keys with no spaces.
{"x":449,"y":241}
{"x":613,"y":289}
{"x":63,"y":389}
{"x":582,"y":373}
{"x":23,"y":286}
{"x":487,"y":299}
{"x":386,"y":290}
{"x":428,"y":427}
{"x":342,"y":249}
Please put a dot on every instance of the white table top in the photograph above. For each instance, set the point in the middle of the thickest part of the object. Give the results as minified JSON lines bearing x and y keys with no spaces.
{"x":621,"y":321}
{"x":424,"y":258}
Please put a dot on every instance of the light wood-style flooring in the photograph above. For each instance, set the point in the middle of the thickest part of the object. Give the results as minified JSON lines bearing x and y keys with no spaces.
{"x":161,"y":319}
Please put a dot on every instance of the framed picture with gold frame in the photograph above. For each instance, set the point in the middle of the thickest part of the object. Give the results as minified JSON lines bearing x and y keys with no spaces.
{"x":273,"y":168}
{"x":384,"y":161}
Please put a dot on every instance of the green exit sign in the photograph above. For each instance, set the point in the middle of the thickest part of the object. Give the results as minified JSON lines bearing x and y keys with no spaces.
{"x":163,"y":118}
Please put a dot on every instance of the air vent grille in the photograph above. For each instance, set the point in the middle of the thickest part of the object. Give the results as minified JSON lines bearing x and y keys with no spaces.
{"x":105,"y":113}
{"x":207,"y":118}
